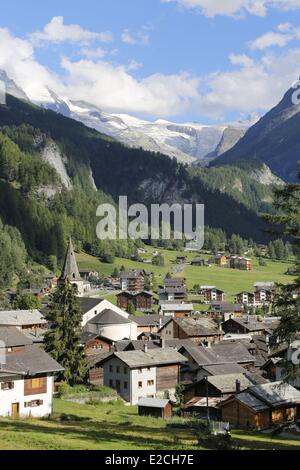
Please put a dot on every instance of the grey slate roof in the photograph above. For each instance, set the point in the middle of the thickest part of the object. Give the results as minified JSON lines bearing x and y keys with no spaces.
{"x":154,"y":357}
{"x":149,"y":320}
{"x":276,"y":393}
{"x":198,"y":326}
{"x":201,"y":355}
{"x":221,"y":369}
{"x":232,"y":351}
{"x":21,"y":317}
{"x":70,"y":269}
{"x":11,"y":337}
{"x":251,"y":401}
{"x":94,"y":359}
{"x":33,"y":360}
{"x":88,"y":303}
{"x":227,"y":383}
{"x":153,"y":402}
{"x":109,"y":317}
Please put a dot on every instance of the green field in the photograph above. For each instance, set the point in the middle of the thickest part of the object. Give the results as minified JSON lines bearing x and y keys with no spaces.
{"x":230,"y":280}
{"x":113,"y":427}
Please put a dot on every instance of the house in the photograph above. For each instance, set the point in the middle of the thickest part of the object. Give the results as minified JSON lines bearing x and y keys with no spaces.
{"x":224,"y":310}
{"x":112,"y":325}
{"x":198,"y":262}
{"x":212,"y":293}
{"x":142,"y":300}
{"x":221,"y":385}
{"x":95,"y":368}
{"x":262,"y":406}
{"x":30,"y":320}
{"x":238,"y":262}
{"x":94,"y":342}
{"x":264,"y":292}
{"x":245,"y":325}
{"x":221,"y":260}
{"x":157,"y":407}
{"x":180,"y":259}
{"x":174,"y":282}
{"x":26,"y":376}
{"x":86,"y":274}
{"x":50,"y":281}
{"x":172,"y":293}
{"x":245,"y":298}
{"x":196,"y":329}
{"x":133,"y":280}
{"x":143,"y":374}
{"x":275,"y":366}
{"x":148,"y":323}
{"x":175,"y":309}
{"x":200,"y":407}
{"x":70,"y":272}
{"x":92,"y":306}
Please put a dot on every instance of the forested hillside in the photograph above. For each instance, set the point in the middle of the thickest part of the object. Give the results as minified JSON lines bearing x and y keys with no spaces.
{"x":54,"y":172}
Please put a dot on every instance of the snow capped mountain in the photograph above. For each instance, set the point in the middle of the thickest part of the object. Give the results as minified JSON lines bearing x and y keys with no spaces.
{"x":11,"y":87}
{"x":188,"y":142}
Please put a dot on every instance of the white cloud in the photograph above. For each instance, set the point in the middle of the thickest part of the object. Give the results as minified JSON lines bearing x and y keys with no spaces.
{"x":17,"y":59}
{"x":134,"y":65}
{"x":241,"y":59}
{"x":287,"y":32}
{"x":113,"y":88}
{"x":213,"y":8}
{"x":56,"y":31}
{"x":90,"y":53}
{"x":137,"y":38}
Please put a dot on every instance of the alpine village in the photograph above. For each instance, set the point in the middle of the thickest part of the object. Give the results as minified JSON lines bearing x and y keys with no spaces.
{"x":148,"y":343}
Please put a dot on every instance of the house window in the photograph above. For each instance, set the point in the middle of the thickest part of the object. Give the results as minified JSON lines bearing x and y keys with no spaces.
{"x":118,"y":369}
{"x":148,"y":369}
{"x":140,"y":371}
{"x":125,"y":385}
{"x":33,"y":403}
{"x":110,"y":368}
{"x":35,"y":385}
{"x":125,"y":370}
{"x":140,"y":384}
{"x":111,"y":383}
{"x":150,"y":383}
{"x":7,"y":385}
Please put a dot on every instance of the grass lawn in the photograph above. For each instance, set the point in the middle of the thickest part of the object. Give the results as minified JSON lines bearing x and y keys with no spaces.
{"x":230,"y":280}
{"x":113,"y":427}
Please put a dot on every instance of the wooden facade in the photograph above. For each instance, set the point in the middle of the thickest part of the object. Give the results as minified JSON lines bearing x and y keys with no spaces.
{"x":142,"y":301}
{"x":167,"y":377}
{"x":158,"y":412}
{"x":35,"y":386}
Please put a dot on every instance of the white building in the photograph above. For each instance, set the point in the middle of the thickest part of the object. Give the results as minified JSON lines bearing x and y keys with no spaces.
{"x":143,"y":374}
{"x":26,"y":376}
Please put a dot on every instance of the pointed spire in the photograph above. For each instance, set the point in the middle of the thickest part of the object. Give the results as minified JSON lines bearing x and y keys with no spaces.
{"x":70,"y":269}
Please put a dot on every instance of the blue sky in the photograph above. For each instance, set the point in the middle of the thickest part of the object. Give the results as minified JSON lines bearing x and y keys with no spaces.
{"x":197,"y":60}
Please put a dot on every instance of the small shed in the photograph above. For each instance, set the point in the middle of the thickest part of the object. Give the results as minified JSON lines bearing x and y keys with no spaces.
{"x":160,"y":408}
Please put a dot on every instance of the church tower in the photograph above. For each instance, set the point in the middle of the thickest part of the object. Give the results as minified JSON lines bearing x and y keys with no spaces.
{"x":70,"y":270}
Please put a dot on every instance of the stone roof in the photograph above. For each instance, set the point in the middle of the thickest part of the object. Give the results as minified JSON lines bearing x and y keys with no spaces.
{"x":153,"y":402}
{"x":11,"y":336}
{"x":33,"y":360}
{"x":88,"y":303}
{"x":232,"y":351}
{"x":149,"y":320}
{"x":154,"y":357}
{"x":198,"y":326}
{"x":21,"y":317}
{"x":221,"y":369}
{"x":201,"y":355}
{"x":70,"y":269}
{"x":276,"y":393}
{"x":109,"y":317}
{"x":227,"y":383}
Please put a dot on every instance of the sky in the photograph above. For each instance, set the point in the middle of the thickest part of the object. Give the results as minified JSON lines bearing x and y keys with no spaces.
{"x":206,"y":61}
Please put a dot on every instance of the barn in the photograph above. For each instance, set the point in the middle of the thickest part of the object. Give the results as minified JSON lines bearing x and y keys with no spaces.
{"x":159,"y":408}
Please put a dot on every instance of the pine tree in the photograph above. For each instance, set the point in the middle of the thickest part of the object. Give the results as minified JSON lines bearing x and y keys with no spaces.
{"x":62,"y":341}
{"x":287,"y":300}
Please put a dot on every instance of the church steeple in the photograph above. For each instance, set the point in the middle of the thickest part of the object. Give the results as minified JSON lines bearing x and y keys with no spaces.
{"x":70,"y":270}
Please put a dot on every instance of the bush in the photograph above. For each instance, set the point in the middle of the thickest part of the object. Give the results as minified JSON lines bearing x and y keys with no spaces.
{"x":63,"y":389}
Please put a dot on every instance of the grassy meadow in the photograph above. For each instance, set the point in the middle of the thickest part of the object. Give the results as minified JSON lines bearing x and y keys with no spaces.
{"x":114,"y":426}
